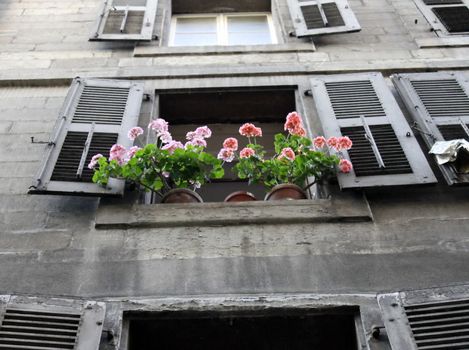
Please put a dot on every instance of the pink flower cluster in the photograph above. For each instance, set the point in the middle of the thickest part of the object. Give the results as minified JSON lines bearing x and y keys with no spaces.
{"x":197,"y":137}
{"x":246,"y":152}
{"x":171,"y":146}
{"x":342,"y":143}
{"x":227,"y":153}
{"x":120,"y":154}
{"x":134,"y":133}
{"x":294,"y":125}
{"x":94,"y":160}
{"x":250,"y":130}
{"x":345,"y":166}
{"x":287,"y":153}
{"x":160,"y":127}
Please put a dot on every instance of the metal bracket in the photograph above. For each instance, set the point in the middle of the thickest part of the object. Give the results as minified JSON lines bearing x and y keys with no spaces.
{"x":308,"y":92}
{"x":49,"y":143}
{"x":414,"y":126}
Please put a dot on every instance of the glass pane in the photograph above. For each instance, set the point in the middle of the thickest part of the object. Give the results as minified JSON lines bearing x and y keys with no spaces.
{"x":195,"y":39}
{"x":238,"y":24}
{"x":249,"y":38}
{"x":196,"y":25}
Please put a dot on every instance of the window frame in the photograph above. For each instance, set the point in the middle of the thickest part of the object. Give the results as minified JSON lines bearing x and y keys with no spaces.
{"x":222,"y":27}
{"x":438,"y":27}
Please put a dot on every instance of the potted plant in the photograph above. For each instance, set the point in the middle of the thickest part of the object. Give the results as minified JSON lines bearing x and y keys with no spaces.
{"x":170,"y":169}
{"x":297,"y":158}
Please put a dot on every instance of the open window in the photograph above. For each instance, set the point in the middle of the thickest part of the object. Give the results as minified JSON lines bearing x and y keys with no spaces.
{"x":447,"y":17}
{"x":439,"y":105}
{"x":316,"y":17}
{"x":427,"y":319}
{"x":293,"y":329}
{"x":385,"y":151}
{"x":95,"y":115}
{"x":224,"y":111}
{"x":126,"y":20}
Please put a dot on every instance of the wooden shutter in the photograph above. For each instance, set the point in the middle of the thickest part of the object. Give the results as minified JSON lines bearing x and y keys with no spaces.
{"x":429,"y":319}
{"x":316,"y":17}
{"x":385,"y":151}
{"x":446,"y":16}
{"x":50,"y":324}
{"x":439,"y":104}
{"x":96,"y":114}
{"x":126,"y":20}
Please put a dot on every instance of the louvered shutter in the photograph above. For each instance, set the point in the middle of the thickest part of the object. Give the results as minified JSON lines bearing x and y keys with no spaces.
{"x":96,"y":114}
{"x":316,"y":17}
{"x":439,"y":104}
{"x":446,"y":16}
{"x":430,"y":319}
{"x":50,"y":324}
{"x":385,"y":151}
{"x":126,"y":20}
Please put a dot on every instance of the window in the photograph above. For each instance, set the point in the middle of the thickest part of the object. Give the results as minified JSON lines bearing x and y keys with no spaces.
{"x":294,"y":329}
{"x":224,"y":111}
{"x":447,"y":17}
{"x":222,"y":29}
{"x":126,"y":20}
{"x":426,"y":96}
{"x":427,"y":319}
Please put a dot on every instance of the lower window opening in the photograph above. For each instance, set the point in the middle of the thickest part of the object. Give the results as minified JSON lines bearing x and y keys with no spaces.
{"x":266,"y":330}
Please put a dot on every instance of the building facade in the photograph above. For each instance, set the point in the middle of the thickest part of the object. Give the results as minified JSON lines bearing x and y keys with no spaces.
{"x":377,"y":260}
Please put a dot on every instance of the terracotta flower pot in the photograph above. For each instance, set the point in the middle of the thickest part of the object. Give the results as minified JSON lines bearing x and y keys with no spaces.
{"x":240,"y":196}
{"x":181,"y":195}
{"x":286,"y":192}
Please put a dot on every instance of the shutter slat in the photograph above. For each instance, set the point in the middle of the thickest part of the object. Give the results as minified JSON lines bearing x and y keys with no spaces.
{"x":384,"y":152}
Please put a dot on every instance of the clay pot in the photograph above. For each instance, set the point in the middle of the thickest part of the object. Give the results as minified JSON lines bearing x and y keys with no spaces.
{"x":286,"y":192}
{"x":240,"y":196}
{"x":181,"y":195}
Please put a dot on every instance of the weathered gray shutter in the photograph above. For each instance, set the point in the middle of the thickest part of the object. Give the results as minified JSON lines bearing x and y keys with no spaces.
{"x":446,"y":16}
{"x":316,"y":17}
{"x":50,"y":324}
{"x":430,"y":319}
{"x":385,"y":151}
{"x":439,"y":104}
{"x":126,"y":20}
{"x":96,"y":114}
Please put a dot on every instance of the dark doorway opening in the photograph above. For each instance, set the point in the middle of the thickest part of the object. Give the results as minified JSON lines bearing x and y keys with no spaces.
{"x":274,"y":330}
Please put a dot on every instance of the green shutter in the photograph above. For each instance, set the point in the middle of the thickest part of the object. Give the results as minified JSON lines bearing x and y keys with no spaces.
{"x":96,"y":114}
{"x":385,"y":151}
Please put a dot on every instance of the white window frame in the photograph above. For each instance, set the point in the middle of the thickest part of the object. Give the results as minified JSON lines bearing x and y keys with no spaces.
{"x":435,"y":22}
{"x":222,"y":26}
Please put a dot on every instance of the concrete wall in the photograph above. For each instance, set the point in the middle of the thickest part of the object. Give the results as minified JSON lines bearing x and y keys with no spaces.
{"x":49,"y":244}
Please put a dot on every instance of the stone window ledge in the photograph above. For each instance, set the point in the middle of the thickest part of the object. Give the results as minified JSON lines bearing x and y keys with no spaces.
{"x":154,"y":51}
{"x":443,"y":42}
{"x":348,"y":208}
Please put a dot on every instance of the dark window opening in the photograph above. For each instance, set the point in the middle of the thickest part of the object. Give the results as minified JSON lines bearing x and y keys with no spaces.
{"x":454,"y":18}
{"x":219,"y":6}
{"x":285,"y":329}
{"x":224,"y":111}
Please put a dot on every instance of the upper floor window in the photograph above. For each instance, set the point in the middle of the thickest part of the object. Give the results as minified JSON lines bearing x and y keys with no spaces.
{"x":222,"y":29}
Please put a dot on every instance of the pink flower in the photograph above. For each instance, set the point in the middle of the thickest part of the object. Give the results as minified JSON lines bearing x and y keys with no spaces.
{"x":333,"y":142}
{"x":319,"y":142}
{"x":250,"y":130}
{"x":191,"y":135}
{"x":165,"y":137}
{"x":94,"y":160}
{"x":345,"y":166}
{"x":293,"y":122}
{"x":196,"y":142}
{"x":226,"y":154}
{"x":134,"y":133}
{"x":132,"y":151}
{"x":159,"y":125}
{"x":298,"y":131}
{"x":172,"y":146}
{"x":246,"y":152}
{"x":231,"y":143}
{"x":287,"y":153}
{"x":203,"y":132}
{"x":344,"y":143}
{"x":118,"y":153}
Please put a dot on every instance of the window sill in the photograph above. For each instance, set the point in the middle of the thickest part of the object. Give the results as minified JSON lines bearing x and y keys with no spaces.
{"x":461,"y":41}
{"x":152,"y":51}
{"x":350,"y":207}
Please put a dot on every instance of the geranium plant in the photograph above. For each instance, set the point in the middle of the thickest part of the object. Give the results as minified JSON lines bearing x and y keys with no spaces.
{"x":163,"y":165}
{"x":296,"y":157}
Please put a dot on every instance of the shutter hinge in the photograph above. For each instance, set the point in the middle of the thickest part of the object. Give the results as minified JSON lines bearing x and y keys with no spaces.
{"x":415,"y":127}
{"x":49,"y":143}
